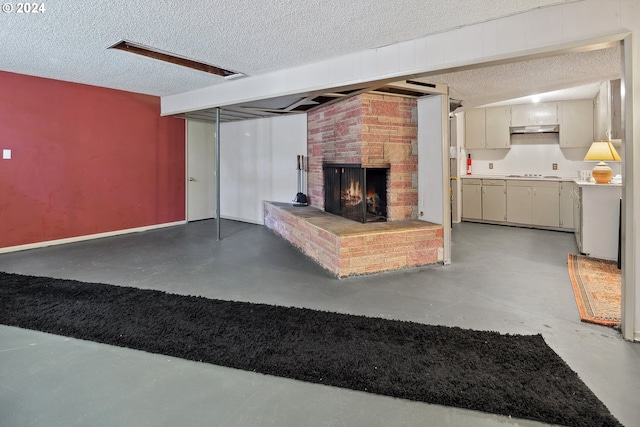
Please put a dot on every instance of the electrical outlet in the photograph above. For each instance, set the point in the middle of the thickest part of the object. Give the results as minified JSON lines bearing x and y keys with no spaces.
{"x":555,"y":166}
{"x":490,"y":165}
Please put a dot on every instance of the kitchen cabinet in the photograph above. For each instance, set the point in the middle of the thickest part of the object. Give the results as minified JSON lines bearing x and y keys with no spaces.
{"x":567,"y":189}
{"x":546,"y":204}
{"x":576,"y":123}
{"x":487,"y":128}
{"x":533,"y":203}
{"x":608,"y":111}
{"x":577,"y":217}
{"x":545,"y":113}
{"x":519,"y":202}
{"x":474,"y":123}
{"x":494,"y":200}
{"x":497,"y":122}
{"x":600,"y":219}
{"x":471,"y":198}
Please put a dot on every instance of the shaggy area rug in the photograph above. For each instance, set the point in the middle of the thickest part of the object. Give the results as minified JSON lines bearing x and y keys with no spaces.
{"x":513,"y":375}
{"x":597,"y":287}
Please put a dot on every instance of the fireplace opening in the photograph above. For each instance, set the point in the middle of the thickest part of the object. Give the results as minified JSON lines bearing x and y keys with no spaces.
{"x":356,"y":193}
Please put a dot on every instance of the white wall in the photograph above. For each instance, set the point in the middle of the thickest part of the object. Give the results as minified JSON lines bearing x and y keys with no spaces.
{"x":258,"y":163}
{"x":430,"y":167}
{"x":533,"y":154}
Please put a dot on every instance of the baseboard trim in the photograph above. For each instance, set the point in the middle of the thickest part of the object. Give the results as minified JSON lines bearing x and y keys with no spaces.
{"x":250,"y":221}
{"x":88,"y":237}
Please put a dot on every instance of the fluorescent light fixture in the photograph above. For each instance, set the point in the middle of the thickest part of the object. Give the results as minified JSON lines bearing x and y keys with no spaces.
{"x":535,"y":98}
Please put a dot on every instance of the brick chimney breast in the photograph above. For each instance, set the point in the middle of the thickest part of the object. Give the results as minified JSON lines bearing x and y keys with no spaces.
{"x":373,"y":130}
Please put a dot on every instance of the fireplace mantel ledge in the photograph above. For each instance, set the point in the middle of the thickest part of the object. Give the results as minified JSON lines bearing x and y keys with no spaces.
{"x":347,"y":248}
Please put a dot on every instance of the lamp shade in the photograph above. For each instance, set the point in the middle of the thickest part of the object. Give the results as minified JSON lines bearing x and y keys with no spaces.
{"x":599,"y":152}
{"x":602,"y":151}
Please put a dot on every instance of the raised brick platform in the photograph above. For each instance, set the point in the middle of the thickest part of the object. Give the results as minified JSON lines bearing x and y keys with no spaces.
{"x":348,"y":248}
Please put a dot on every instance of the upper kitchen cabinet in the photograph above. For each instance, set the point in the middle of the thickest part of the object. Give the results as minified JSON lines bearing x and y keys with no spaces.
{"x":608,"y":112}
{"x":487,"y":128}
{"x":474,"y":124}
{"x":545,"y":113}
{"x":497,"y":122}
{"x":576,"y":123}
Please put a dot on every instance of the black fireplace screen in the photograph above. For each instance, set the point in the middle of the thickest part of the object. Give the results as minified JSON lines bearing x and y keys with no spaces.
{"x":356,"y":193}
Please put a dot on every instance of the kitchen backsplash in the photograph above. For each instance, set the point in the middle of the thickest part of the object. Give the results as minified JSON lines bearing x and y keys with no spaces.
{"x":531,"y":154}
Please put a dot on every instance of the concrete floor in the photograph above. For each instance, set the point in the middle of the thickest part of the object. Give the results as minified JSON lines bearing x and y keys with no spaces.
{"x":505,"y":279}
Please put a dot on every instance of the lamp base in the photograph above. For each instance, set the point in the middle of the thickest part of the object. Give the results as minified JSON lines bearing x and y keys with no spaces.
{"x":602,"y":173}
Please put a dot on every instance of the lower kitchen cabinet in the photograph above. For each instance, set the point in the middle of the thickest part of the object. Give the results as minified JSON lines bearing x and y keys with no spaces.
{"x":494,"y":200}
{"x":471,"y":198}
{"x":546,"y":204}
{"x":567,"y":190}
{"x":519,"y":202}
{"x":577,"y":217}
{"x":533,"y":203}
{"x":600,"y":220}
{"x":537,"y":203}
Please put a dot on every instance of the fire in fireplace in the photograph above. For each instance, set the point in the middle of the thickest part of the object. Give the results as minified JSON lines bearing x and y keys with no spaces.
{"x":355,"y":192}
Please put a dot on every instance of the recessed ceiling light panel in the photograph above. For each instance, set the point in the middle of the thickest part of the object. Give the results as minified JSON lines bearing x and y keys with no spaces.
{"x":150,"y":52}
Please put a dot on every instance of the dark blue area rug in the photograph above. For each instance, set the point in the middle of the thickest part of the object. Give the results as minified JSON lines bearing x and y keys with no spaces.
{"x":513,"y":375}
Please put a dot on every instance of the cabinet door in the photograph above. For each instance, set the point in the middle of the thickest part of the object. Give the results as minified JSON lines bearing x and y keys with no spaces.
{"x":577,"y":217}
{"x":545,"y":113}
{"x":471,"y":201}
{"x":546,"y":206}
{"x":497,"y":121}
{"x":576,"y":123}
{"x":519,"y":204}
{"x":494,"y":203}
{"x":534,"y":114}
{"x":566,"y":205}
{"x":474,"y":122}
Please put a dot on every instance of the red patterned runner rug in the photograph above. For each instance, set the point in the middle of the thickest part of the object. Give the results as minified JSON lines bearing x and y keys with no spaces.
{"x":597,"y":287}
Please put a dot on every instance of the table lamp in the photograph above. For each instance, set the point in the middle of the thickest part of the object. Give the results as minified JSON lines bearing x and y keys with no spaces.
{"x":599,"y":152}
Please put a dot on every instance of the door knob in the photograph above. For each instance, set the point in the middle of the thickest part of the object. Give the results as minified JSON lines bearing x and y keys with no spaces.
{"x":191,"y":178}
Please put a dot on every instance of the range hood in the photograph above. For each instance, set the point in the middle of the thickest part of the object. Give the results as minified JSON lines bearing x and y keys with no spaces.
{"x":534,"y":129}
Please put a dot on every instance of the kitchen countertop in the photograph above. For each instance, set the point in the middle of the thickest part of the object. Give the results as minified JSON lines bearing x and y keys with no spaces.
{"x":578,"y":181}
{"x":583,"y":183}
{"x":522,"y":177}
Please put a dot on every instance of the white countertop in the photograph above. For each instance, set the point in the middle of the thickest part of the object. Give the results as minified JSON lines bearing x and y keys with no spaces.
{"x":558,"y":178}
{"x":522,"y":177}
{"x":583,"y":183}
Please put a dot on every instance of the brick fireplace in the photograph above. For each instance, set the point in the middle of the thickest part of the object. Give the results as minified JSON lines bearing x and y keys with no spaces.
{"x":366,"y":132}
{"x":373,"y":131}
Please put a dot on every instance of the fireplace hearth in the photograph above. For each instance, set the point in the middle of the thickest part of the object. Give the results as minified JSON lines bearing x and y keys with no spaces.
{"x":355,"y":192}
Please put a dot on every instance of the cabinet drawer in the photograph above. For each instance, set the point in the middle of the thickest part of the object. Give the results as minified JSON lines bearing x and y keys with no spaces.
{"x":494,"y":182}
{"x":519,"y":183}
{"x":471,"y":181}
{"x":546,"y":184}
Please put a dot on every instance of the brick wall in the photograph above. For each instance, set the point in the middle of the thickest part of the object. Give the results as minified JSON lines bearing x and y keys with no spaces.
{"x":367,"y":252}
{"x":373,"y":130}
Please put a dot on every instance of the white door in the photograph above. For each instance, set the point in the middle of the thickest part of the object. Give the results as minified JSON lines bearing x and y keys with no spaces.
{"x":201,"y":170}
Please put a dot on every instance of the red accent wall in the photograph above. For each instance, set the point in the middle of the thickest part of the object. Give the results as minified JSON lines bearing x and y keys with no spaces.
{"x":85,"y":160}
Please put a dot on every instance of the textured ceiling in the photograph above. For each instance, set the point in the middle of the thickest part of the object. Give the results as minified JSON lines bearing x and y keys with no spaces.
{"x":520,"y":79}
{"x":69,"y":40}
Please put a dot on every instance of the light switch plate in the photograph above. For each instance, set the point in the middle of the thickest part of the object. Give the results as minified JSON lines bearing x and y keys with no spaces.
{"x":6,"y":154}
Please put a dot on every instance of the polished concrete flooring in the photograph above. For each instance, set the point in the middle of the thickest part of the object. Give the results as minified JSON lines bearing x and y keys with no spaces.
{"x":502,"y":278}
